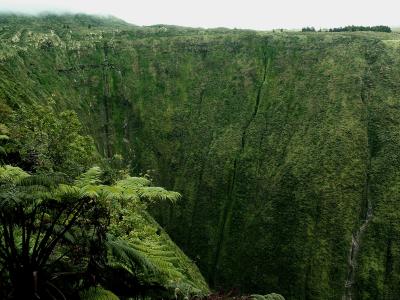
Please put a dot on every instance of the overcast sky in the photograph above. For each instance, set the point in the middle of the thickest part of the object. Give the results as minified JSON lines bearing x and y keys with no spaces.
{"x":254,"y":14}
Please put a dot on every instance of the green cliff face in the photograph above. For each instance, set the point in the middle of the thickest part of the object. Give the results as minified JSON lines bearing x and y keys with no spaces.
{"x":285,"y":146}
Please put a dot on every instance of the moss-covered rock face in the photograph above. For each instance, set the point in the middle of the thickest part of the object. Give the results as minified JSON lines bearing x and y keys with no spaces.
{"x":286,"y":146}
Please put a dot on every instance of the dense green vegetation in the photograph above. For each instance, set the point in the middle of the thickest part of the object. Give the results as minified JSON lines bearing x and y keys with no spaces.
{"x":380,"y":28}
{"x":284,"y":145}
{"x":84,"y":238}
{"x":308,"y":29}
{"x":352,"y":28}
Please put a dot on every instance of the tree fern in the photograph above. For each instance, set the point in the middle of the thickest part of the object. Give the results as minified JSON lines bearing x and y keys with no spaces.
{"x":136,"y":242}
{"x":37,"y":219}
{"x":56,"y":222}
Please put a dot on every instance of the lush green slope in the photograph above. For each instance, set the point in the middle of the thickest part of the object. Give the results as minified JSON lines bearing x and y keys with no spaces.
{"x":283,"y":145}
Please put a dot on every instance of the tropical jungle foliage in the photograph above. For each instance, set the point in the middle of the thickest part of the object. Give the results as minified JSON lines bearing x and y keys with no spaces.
{"x":64,"y":236}
{"x":60,"y":238}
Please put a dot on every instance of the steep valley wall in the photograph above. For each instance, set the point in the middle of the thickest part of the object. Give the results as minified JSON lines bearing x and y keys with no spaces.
{"x":281,"y":144}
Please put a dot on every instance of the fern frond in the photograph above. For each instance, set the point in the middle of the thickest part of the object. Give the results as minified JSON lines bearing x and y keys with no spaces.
{"x":90,"y":177}
{"x":116,"y":265}
{"x":118,"y":193}
{"x":158,"y":193}
{"x":68,"y":191}
{"x":133,"y":182}
{"x":124,"y":253}
{"x":97,"y":293}
{"x":90,"y":192}
{"x":159,"y":262}
{"x":11,"y":174}
{"x":42,"y":180}
{"x":3,"y":129}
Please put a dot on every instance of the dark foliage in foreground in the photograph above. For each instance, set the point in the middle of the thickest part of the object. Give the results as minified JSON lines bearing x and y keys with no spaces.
{"x":88,"y":237}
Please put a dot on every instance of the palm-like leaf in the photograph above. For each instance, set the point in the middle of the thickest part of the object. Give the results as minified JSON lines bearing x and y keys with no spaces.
{"x":129,"y":256}
{"x":10,"y":174}
{"x":97,"y":293}
{"x":157,"y":193}
{"x":90,"y":177}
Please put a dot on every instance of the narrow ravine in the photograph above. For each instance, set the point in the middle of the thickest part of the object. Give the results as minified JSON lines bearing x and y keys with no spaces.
{"x":353,"y":254}
{"x":356,"y":238}
{"x":229,"y":204}
{"x":106,"y":102}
